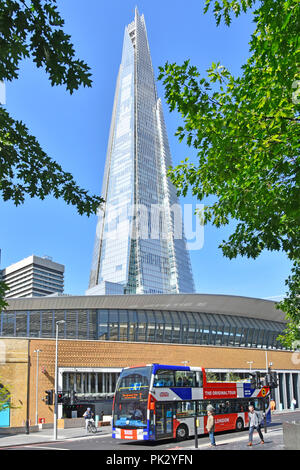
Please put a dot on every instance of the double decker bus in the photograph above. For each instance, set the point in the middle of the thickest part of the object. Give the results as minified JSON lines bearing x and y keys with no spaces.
{"x":156,"y":401}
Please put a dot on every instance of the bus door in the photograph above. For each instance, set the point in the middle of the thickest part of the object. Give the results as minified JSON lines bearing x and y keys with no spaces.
{"x":164,"y":420}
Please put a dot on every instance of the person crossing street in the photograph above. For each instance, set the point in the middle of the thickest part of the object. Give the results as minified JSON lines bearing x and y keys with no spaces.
{"x":254,"y":423}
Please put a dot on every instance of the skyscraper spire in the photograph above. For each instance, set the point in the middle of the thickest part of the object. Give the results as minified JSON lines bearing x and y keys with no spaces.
{"x":139,"y":243}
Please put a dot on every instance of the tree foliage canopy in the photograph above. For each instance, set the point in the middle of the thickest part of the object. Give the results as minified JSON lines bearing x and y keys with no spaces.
{"x":5,"y":397}
{"x":246,"y":132}
{"x":34,"y":30}
{"x":3,"y":289}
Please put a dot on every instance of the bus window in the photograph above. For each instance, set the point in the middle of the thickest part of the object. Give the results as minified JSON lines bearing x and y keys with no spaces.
{"x":201,"y":408}
{"x":258,"y":404}
{"x":185,"y":409}
{"x":185,"y":378}
{"x":237,"y":406}
{"x":227,"y":406}
{"x":164,"y":378}
{"x":222,"y":408}
{"x":245,"y":404}
{"x":199,"y":378}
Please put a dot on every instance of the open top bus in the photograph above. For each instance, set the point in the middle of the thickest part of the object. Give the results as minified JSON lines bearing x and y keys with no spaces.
{"x":157,"y":401}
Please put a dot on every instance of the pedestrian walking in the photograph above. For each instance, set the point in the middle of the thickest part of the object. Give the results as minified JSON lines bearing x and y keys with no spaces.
{"x":255,"y":419}
{"x":272,"y":405}
{"x":294,"y":403}
{"x":88,"y":415}
{"x":210,"y":426}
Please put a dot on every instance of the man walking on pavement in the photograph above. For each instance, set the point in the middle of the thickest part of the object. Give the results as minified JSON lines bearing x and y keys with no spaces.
{"x":254,"y":423}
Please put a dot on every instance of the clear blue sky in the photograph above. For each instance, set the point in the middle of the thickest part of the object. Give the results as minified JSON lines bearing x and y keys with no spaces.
{"x":74,"y":131}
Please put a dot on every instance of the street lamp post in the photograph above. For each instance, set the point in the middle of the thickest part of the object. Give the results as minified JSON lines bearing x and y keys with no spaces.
{"x":250,"y":363}
{"x":185,"y":362}
{"x":37,"y":351}
{"x":55,"y":383}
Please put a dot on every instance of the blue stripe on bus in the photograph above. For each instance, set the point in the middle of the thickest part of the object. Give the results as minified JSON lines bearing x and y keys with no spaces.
{"x":165,"y":367}
{"x":183,"y":393}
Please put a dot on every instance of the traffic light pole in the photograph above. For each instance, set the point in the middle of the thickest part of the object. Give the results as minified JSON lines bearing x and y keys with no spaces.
{"x":37,"y":351}
{"x":55,"y":382}
{"x":55,"y":387}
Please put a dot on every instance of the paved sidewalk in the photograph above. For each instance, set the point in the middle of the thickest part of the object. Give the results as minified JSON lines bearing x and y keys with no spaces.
{"x":46,"y":435}
{"x":273,"y":441}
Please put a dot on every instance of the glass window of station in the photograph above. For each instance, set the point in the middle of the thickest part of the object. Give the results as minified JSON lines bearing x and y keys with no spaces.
{"x":157,"y":326}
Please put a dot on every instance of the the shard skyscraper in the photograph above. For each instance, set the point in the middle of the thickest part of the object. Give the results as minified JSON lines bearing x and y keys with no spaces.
{"x":140,"y":244}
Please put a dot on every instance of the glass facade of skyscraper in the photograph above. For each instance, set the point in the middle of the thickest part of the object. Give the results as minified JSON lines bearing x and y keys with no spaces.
{"x":138,"y":242}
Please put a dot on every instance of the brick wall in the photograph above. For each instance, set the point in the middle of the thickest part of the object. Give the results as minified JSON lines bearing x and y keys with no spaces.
{"x":13,"y":374}
{"x":74,"y":353}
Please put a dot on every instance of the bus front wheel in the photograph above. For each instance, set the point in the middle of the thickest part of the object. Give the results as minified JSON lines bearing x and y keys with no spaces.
{"x":239,"y":425}
{"x":181,"y":432}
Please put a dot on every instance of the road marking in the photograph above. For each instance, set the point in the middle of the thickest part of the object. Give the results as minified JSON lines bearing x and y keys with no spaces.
{"x":59,"y":440}
{"x":44,"y":447}
{"x":80,"y":438}
{"x":36,"y":446}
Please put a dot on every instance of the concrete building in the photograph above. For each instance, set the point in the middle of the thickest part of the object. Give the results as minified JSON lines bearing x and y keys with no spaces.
{"x":103,"y":334}
{"x":33,"y":277}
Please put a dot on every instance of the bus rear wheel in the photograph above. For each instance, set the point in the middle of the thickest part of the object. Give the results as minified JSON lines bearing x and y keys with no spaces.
{"x":181,"y":432}
{"x":239,"y":425}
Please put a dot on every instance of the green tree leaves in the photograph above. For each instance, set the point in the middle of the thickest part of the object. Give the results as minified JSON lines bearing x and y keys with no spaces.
{"x":291,"y":305}
{"x":5,"y":398}
{"x":33,"y":29}
{"x":26,"y":170}
{"x":246,"y":132}
{"x":3,"y":289}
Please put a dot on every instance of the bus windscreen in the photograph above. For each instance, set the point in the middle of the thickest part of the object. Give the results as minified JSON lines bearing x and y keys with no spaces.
{"x":130,"y":406}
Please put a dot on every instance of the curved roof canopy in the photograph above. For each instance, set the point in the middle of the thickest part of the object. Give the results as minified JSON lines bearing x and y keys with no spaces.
{"x":209,"y":303}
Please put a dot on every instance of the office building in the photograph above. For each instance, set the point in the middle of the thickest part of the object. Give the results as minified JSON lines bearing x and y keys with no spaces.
{"x":140,"y":243}
{"x":33,"y":277}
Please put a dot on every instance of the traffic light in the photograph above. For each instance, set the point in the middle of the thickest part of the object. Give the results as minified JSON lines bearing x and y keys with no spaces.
{"x":49,"y":397}
{"x":255,"y":379}
{"x":271,"y":379}
{"x":63,"y":397}
{"x":274,"y":379}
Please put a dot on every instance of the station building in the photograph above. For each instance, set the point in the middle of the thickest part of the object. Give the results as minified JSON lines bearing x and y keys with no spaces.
{"x":102,"y":334}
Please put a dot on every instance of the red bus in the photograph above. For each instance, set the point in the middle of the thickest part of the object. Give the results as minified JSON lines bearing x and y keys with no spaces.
{"x":156,"y":401}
